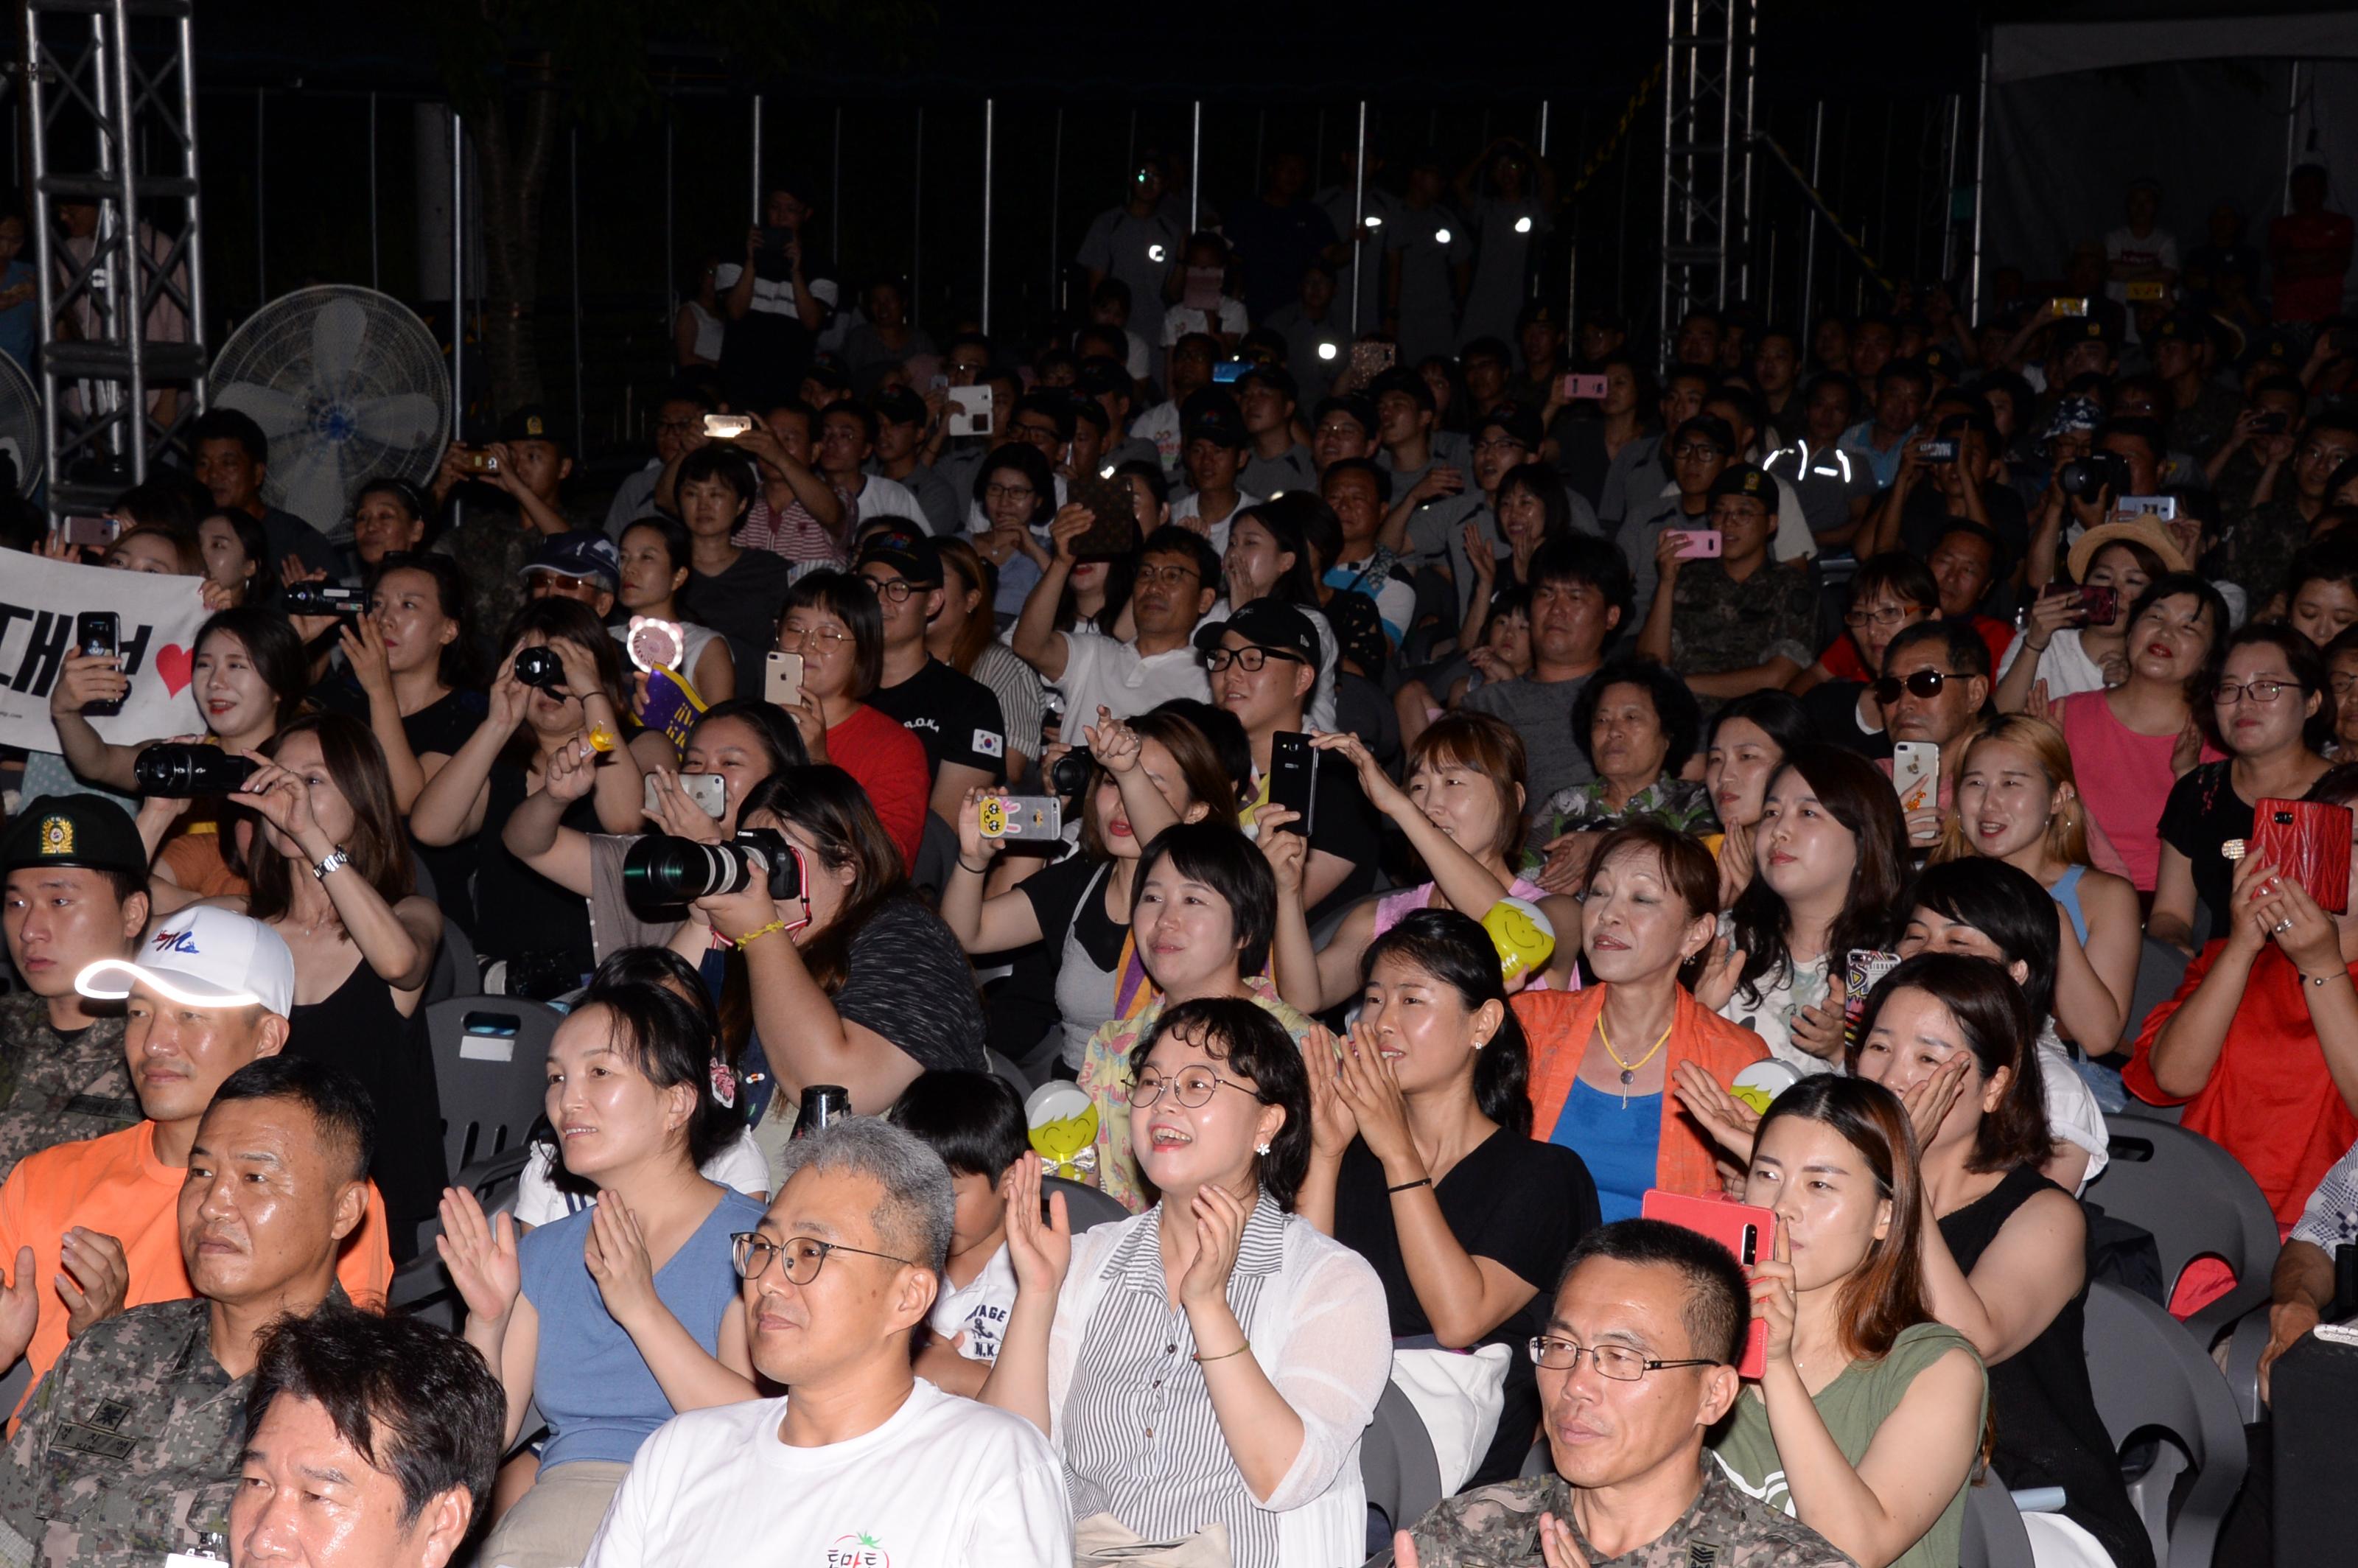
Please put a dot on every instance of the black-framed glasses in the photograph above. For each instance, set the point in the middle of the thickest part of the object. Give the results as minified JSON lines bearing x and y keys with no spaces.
{"x":1192,"y":1087}
{"x":1618,"y":1362}
{"x":793,"y":637}
{"x":1916,"y":682}
{"x":1697,"y":449}
{"x":802,"y":1257}
{"x":1253,"y":660}
{"x":1009,"y":492}
{"x":2228,"y":693}
{"x":895,"y":588}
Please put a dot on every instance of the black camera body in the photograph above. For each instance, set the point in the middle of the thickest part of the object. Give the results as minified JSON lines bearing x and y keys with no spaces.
{"x":662,"y":873}
{"x":178,"y":772}
{"x":2084,"y":478}
{"x":540,"y":667}
{"x":1070,"y":776}
{"x":322,"y":599}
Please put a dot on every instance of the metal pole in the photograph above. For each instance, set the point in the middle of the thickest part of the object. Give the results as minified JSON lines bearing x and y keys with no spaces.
{"x":2292,"y":128}
{"x":261,"y":204}
{"x":1543,"y":127}
{"x":917,"y":206}
{"x":1949,"y":190}
{"x":457,"y":273}
{"x":1260,"y":142}
{"x":1195,"y":170}
{"x":133,"y":256}
{"x":195,"y":265}
{"x":757,"y":158}
{"x":1743,"y":229}
{"x":374,"y":271}
{"x":1810,"y":221}
{"x":573,"y":222}
{"x":671,"y":256}
{"x":1055,"y":238}
{"x":990,"y":127}
{"x":1359,"y":220}
{"x":835,"y":189}
{"x":1981,"y":159}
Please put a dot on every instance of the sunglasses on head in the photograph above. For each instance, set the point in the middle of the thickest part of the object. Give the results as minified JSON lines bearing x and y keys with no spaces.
{"x":1916,"y":683}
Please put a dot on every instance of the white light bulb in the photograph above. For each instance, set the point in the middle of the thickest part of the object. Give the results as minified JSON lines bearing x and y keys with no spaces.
{"x":1441,"y":236}
{"x":1374,"y":222}
{"x":1325,"y":351}
{"x":1522,"y":225}
{"x":1154,"y":253}
{"x":1106,"y":472}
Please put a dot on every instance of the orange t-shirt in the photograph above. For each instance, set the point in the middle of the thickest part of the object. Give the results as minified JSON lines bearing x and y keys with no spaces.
{"x":116,"y":1187}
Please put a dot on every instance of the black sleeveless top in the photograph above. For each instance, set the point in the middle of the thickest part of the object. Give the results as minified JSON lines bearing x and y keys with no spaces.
{"x":358,"y":1029}
{"x":2049,"y":1433}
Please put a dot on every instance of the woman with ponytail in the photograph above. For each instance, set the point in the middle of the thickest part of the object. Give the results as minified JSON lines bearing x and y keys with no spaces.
{"x":1422,"y":1162}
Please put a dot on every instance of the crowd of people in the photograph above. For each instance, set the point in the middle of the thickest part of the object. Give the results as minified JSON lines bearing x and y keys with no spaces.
{"x":1438,"y":806}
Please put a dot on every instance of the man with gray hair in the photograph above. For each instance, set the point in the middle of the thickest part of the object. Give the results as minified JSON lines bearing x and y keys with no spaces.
{"x":863,"y":1461}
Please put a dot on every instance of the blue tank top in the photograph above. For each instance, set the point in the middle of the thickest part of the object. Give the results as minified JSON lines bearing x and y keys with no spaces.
{"x":2067,"y":893}
{"x":1618,"y":1144}
{"x":591,"y":1384}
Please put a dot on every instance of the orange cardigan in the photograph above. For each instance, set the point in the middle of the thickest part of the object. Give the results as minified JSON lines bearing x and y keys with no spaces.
{"x":1557,"y":1024}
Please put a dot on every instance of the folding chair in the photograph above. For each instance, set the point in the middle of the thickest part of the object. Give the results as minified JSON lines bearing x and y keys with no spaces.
{"x":2153,"y":1380}
{"x":1397,"y":1462}
{"x":2199,"y":1203}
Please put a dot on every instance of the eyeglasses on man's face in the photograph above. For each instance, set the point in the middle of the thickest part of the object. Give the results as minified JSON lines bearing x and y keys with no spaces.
{"x":1164,"y":577}
{"x":893,"y":589}
{"x":802,"y":1256}
{"x":1191,"y":1087}
{"x":1251,"y":660}
{"x":1616,"y":1362}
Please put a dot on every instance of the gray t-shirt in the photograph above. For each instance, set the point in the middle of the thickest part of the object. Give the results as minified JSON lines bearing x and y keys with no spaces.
{"x":1541,"y":712}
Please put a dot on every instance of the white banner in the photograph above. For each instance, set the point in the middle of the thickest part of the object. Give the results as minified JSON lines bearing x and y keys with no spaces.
{"x":158,"y":619}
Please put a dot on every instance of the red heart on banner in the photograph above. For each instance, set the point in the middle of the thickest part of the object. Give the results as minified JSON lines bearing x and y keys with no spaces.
{"x":176,"y":666}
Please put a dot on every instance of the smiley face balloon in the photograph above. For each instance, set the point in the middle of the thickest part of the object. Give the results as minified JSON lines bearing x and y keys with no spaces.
{"x":1064,"y":1130}
{"x":1524,"y":936}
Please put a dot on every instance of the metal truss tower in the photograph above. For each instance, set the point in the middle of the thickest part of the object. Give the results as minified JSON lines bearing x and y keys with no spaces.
{"x":1707,"y":75}
{"x":112,"y":106}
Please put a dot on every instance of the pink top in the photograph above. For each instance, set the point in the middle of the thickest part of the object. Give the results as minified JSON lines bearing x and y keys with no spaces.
{"x":2125,"y":780}
{"x":1394,"y":907}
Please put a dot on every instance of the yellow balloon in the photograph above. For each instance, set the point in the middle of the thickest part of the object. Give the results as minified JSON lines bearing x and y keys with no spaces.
{"x":1525,"y":937}
{"x":1061,"y":1142}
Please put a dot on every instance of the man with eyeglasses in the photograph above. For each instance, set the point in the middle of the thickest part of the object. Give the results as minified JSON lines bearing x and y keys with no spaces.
{"x":862,"y":1462}
{"x":1700,"y":450}
{"x":955,"y":716}
{"x":1732,"y":624}
{"x":679,"y":430}
{"x":1637,"y":1366}
{"x":1344,"y":426}
{"x":1936,"y":680}
{"x":1264,"y":665}
{"x":1177,"y":581}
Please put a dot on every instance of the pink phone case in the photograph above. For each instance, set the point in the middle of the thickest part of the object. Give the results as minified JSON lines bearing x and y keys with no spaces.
{"x":1699,"y":543}
{"x":1749,"y":1232}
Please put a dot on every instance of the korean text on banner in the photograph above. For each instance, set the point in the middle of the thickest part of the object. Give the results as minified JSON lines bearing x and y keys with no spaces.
{"x":159,"y":617}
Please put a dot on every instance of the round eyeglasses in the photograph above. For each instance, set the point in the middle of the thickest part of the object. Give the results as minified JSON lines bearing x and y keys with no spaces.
{"x":1193,"y":1088}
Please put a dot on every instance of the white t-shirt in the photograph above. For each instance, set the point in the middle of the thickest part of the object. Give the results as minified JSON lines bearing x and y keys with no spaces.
{"x":2073,"y":1116}
{"x":1190,"y":506}
{"x":944,"y":1480}
{"x":538,"y":1202}
{"x":1179,"y":320}
{"x":2157,"y":249}
{"x":1783,"y":995}
{"x":1105,"y":672}
{"x":881,"y":497}
{"x":1160,"y":425}
{"x":775,"y":295}
{"x":2063,"y":664}
{"x":979,"y":1308}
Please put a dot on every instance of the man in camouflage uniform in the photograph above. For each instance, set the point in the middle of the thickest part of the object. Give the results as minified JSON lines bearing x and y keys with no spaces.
{"x":1634,"y":1368}
{"x":2205,"y":411}
{"x":1739,"y":623}
{"x":130,"y":1447}
{"x":510,"y":506}
{"x":77,"y":892}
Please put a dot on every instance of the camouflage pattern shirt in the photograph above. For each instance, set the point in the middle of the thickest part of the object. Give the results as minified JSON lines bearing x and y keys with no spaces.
{"x":2259,"y":548}
{"x":129,"y":1447}
{"x":57,"y":1087}
{"x":1718,"y":625}
{"x":1498,"y":1527}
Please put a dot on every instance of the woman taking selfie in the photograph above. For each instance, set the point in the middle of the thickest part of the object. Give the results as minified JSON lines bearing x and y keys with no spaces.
{"x":1260,"y":1345}
{"x":1422,"y":1162}
{"x":615,"y":1318}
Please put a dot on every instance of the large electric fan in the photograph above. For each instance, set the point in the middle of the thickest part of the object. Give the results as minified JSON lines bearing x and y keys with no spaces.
{"x":348,"y":384}
{"x":21,"y":440}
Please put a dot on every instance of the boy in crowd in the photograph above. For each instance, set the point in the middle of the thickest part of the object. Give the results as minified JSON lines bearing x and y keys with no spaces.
{"x":975,"y":1123}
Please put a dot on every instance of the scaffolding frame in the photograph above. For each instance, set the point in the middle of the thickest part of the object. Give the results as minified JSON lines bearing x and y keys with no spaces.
{"x":1707,"y":79}
{"x":106,"y":80}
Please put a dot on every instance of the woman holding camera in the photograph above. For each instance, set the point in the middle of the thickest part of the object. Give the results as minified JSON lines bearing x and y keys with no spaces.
{"x":409,"y":670}
{"x":574,"y":692}
{"x":330,"y":872}
{"x":832,"y":623}
{"x":854,"y":981}
{"x":249,"y":679}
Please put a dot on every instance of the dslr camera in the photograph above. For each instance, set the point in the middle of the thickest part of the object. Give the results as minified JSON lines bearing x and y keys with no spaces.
{"x":661,"y":872}
{"x":322,"y":599}
{"x":181,"y":772}
{"x":2084,"y":478}
{"x":1070,"y":776}
{"x":541,"y":667}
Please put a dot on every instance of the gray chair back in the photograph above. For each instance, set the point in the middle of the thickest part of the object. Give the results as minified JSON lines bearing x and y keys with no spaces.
{"x":2199,"y":1203}
{"x":2160,"y":969}
{"x":1085,"y":1205}
{"x":2151,"y":1380}
{"x":1995,"y":1536}
{"x":455,"y":971}
{"x":490,"y":1058}
{"x":1397,"y":1462}
{"x":1003,"y":1068}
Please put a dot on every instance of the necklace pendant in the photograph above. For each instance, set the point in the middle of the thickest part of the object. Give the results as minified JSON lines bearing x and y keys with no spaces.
{"x":1627,"y":1076}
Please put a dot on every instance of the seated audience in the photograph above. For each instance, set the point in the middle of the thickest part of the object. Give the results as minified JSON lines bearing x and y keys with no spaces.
{"x":1650,"y":917}
{"x":1829,"y":863}
{"x":410,"y":672}
{"x":833,"y":624}
{"x":1285,"y":1329}
{"x":1660,"y":1313}
{"x":2142,"y":736}
{"x":955,"y":718}
{"x":76,"y":892}
{"x":657,"y":563}
{"x":1269,"y":556}
{"x":2064,"y":649}
{"x":861,"y":1453}
{"x":962,"y":637}
{"x":1934,"y":691}
{"x":1580,"y":596}
{"x":371,"y":1442}
{"x":1422,"y":1162}
{"x":1891,"y":592}
{"x":1869,"y":1418}
{"x":131,"y":1446}
{"x":587,"y":1317}
{"x":975,"y":1122}
{"x":1638,"y":725}
{"x":390,"y":516}
{"x":1736,"y":624}
{"x":1750,"y":738}
{"x":2260,"y":1037}
{"x":735,"y":584}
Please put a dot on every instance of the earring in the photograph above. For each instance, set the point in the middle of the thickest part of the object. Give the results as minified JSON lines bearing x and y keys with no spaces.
{"x":1261,"y":1150}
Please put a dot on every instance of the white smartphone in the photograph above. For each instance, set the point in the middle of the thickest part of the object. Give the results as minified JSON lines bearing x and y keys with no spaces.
{"x":709,"y":791}
{"x":970,"y":411}
{"x":782,"y":680}
{"x":1020,"y":817}
{"x":1916,"y":775}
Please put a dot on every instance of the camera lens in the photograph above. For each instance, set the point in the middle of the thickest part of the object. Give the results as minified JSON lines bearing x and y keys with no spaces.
{"x":178,"y":772}
{"x":660,"y":870}
{"x":1071,"y":774}
{"x":540,"y":667}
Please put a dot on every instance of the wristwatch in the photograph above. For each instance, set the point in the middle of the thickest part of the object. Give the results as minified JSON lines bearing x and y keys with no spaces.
{"x":338,"y":857}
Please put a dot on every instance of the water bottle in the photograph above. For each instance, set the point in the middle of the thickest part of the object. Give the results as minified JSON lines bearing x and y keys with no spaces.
{"x":823,"y":1105}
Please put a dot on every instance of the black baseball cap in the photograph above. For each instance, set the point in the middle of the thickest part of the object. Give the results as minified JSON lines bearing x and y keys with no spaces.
{"x":898,"y":406}
{"x":530,"y":423}
{"x":1267,"y":623}
{"x":907,"y":552}
{"x":1518,"y":423}
{"x":1219,"y":422}
{"x":2186,"y":326}
{"x":1277,"y":378}
{"x":1749,"y":480}
{"x":2086,"y":330}
{"x":85,"y":830}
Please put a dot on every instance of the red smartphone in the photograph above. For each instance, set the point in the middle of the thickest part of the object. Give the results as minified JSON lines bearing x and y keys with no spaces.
{"x":2102,"y":605}
{"x":2309,"y":842}
{"x":1699,"y":543}
{"x":1749,"y":1232}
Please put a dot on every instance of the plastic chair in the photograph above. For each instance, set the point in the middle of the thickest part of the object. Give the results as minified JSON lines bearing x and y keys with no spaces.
{"x":2150,"y":1379}
{"x":1085,"y":1205}
{"x":455,"y":971}
{"x":1994,"y":1537}
{"x":421,"y":1287}
{"x":2245,"y":1345}
{"x":1017,"y":1079}
{"x":2161,"y":969}
{"x":2197,"y":1203}
{"x":492,"y":1076}
{"x":1397,"y":1462}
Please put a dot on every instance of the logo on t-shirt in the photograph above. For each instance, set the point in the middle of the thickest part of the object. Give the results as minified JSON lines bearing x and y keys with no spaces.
{"x":987,"y":744}
{"x":858,"y":1549}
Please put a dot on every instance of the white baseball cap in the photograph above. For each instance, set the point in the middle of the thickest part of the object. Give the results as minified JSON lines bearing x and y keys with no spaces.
{"x":203,"y":957}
